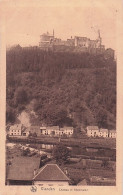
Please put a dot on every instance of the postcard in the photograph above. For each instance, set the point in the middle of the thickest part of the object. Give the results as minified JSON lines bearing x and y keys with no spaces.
{"x":61,"y":97}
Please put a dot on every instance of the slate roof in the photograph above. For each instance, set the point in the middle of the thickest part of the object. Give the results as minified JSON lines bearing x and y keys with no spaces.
{"x":112,"y":131}
{"x":66,"y":128}
{"x":16,"y":127}
{"x":44,"y":128}
{"x":104,"y":130}
{"x":22,"y":168}
{"x":92,"y":128}
{"x":51,"y":172}
{"x":52,"y":128}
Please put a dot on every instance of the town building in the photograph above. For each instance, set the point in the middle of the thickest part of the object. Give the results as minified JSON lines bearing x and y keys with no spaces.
{"x":22,"y":170}
{"x":25,"y":132}
{"x":92,"y":131}
{"x":103,"y":133}
{"x":112,"y":133}
{"x":15,"y":130}
{"x":52,"y":131}
{"x":49,"y":130}
{"x":51,"y":175}
{"x":27,"y":171}
{"x":56,"y":131}
{"x":68,"y":131}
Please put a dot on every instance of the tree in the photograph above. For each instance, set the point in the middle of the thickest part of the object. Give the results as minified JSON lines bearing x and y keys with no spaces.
{"x":34,"y":134}
{"x":21,"y":96}
{"x":10,"y":115}
{"x":26,"y":152}
{"x":105,"y":163}
{"x":61,"y":153}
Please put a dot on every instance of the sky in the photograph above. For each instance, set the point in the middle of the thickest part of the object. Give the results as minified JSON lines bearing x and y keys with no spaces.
{"x":26,"y":22}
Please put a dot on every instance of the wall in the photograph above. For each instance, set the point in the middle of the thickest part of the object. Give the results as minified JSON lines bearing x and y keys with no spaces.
{"x":50,"y":183}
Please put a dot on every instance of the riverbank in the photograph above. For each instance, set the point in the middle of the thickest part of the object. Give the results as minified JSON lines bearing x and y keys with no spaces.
{"x":70,"y":142}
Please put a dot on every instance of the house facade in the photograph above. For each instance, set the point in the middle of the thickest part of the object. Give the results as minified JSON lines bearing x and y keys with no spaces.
{"x":56,"y":131}
{"x":15,"y":130}
{"x":92,"y":131}
{"x":50,"y":130}
{"x":103,"y":133}
{"x":68,"y":131}
{"x":112,"y":133}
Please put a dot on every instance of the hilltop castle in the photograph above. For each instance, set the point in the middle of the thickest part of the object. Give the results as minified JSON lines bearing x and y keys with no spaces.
{"x":77,"y":44}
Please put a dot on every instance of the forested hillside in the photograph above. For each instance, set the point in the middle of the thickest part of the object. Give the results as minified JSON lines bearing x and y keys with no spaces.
{"x":64,"y":88}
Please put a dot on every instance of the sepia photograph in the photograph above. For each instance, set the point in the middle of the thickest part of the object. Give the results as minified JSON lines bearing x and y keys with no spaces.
{"x":61,"y":92}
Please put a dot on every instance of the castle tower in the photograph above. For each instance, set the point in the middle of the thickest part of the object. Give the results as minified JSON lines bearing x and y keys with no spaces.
{"x":99,"y":39}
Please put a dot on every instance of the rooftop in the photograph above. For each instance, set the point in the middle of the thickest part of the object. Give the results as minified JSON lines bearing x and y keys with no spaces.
{"x":16,"y":127}
{"x":92,"y":128}
{"x":112,"y":131}
{"x":51,"y":172}
{"x":104,"y":130}
{"x":69,"y":128}
{"x":53,"y":127}
{"x":22,"y":168}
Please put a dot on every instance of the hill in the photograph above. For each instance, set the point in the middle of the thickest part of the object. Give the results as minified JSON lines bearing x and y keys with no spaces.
{"x":63,"y":88}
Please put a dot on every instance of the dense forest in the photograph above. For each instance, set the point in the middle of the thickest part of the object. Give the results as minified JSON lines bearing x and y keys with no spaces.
{"x":64,"y":88}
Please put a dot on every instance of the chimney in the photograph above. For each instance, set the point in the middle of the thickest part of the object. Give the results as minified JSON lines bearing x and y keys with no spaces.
{"x":34,"y":172}
{"x":66,"y":172}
